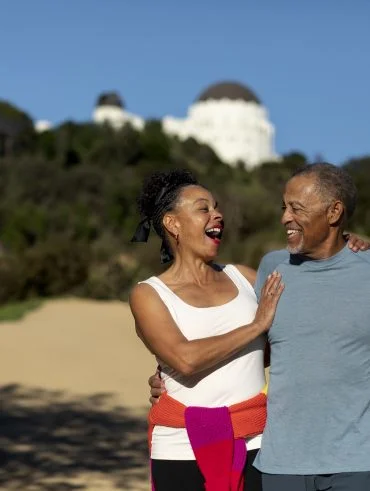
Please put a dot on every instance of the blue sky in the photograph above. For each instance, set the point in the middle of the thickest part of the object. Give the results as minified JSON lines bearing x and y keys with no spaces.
{"x":309,"y":61}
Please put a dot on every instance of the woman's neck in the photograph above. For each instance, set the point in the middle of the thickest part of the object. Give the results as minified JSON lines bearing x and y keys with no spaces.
{"x":190,"y":270}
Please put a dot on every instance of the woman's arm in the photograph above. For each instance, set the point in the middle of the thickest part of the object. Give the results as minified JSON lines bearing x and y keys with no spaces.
{"x":157,"y":329}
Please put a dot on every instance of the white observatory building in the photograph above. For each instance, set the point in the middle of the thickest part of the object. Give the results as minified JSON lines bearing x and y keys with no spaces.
{"x":227,"y":116}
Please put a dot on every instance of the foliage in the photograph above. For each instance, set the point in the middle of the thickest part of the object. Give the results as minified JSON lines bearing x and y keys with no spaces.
{"x":14,"y":114}
{"x":17,"y":310}
{"x":68,"y":211}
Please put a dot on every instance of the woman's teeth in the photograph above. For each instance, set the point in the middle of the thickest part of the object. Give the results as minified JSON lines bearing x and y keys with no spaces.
{"x":214,"y":232}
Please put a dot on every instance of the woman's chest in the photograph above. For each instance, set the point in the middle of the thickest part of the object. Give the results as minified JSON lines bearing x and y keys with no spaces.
{"x":197,"y":323}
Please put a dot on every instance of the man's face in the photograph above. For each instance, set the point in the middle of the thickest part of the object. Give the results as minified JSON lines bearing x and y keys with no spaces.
{"x":305,"y":216}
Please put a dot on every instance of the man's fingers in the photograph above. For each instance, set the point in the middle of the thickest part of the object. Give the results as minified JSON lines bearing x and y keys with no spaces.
{"x":156,"y":392}
{"x":154,"y":381}
{"x":353,"y":244}
{"x":356,"y":244}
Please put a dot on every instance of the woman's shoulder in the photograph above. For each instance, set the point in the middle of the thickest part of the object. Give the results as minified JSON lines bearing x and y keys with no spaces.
{"x":140,"y":291}
{"x":247,"y":272}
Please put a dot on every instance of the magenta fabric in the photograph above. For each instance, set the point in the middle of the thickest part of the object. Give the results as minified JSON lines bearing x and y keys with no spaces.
{"x":220,"y":457}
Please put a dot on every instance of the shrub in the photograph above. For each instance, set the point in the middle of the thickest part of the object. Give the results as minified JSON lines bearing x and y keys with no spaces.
{"x":54,"y":267}
{"x":11,"y":283}
{"x":108,"y":281}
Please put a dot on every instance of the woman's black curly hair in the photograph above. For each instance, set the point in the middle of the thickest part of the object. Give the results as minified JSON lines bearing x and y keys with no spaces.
{"x":160,"y":193}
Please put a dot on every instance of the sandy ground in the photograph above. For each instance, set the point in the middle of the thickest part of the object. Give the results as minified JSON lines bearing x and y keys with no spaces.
{"x":74,"y":396}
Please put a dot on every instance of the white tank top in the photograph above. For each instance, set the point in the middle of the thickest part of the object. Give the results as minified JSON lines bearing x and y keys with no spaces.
{"x":232,"y":381}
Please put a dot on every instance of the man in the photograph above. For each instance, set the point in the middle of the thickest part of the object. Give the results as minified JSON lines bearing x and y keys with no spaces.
{"x":317,"y":435}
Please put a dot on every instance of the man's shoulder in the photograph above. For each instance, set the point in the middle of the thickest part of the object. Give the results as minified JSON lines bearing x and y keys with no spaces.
{"x":274,"y":258}
{"x":362,"y":256}
{"x":268,"y":264}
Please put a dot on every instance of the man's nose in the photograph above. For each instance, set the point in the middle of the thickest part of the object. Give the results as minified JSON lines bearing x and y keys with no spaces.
{"x":286,"y":217}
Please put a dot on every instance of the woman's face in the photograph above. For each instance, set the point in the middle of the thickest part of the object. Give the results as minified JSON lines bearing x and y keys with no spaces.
{"x":197,"y":222}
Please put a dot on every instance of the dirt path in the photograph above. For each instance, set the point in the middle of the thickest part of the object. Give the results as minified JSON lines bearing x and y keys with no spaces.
{"x":73,"y":379}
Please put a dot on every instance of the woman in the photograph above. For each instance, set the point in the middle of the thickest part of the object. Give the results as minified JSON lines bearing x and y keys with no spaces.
{"x":202,"y":323}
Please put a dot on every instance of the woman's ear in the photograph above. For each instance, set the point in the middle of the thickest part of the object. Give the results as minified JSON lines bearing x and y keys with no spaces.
{"x":171,"y":224}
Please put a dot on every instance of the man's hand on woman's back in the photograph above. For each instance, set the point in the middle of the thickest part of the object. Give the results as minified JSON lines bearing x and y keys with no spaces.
{"x":156,"y":387}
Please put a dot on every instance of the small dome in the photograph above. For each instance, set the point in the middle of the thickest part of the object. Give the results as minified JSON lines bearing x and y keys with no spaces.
{"x":110,"y":99}
{"x":229,"y":90}
{"x":43,"y":125}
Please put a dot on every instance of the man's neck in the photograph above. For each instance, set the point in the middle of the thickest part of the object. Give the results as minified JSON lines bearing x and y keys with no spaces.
{"x":328,"y":249}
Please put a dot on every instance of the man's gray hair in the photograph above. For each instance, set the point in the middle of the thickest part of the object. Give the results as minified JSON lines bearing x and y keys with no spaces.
{"x":334,"y":183}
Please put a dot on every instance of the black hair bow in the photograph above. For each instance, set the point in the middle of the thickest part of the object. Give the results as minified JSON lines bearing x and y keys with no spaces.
{"x":142,"y":231}
{"x":142,"y":235}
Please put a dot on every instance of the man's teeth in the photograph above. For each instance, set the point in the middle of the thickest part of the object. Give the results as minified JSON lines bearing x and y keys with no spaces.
{"x":292,"y":232}
{"x":215,"y":229}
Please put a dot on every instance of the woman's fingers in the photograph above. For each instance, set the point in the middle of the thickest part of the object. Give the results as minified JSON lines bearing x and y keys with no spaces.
{"x":270,"y":296}
{"x":272,"y":289}
{"x":279,"y":290}
{"x":272,"y":283}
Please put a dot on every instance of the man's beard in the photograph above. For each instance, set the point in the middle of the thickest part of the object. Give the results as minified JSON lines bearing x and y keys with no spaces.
{"x":298,"y":249}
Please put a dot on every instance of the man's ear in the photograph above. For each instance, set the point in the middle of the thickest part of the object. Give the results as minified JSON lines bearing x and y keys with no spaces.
{"x":336,"y":212}
{"x":170,"y":223}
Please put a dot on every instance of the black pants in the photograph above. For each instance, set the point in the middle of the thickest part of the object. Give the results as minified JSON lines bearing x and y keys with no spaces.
{"x":343,"y":481}
{"x":184,"y":475}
